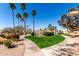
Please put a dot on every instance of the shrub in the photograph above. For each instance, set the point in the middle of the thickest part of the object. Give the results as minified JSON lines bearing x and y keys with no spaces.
{"x":60,"y":32}
{"x":2,"y":40}
{"x":13,"y":40}
{"x":32,"y":34}
{"x":8,"y":43}
{"x":13,"y":36}
{"x":48,"y":33}
{"x":2,"y":35}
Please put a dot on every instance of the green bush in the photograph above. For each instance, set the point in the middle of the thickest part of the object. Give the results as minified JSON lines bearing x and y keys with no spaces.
{"x":1,"y":42}
{"x":3,"y":36}
{"x":14,"y":40}
{"x":32,"y":34}
{"x":12,"y":36}
{"x":48,"y":33}
{"x":8,"y":43}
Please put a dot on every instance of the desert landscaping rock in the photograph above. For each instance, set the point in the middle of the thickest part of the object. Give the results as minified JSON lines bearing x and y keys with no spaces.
{"x":64,"y":49}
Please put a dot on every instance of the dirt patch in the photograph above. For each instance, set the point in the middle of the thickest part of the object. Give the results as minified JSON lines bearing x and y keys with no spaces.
{"x":16,"y":51}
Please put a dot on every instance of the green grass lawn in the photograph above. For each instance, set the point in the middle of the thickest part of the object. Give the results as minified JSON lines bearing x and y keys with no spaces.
{"x":43,"y":42}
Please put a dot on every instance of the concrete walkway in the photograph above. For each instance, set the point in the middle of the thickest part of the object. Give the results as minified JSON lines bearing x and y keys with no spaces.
{"x":30,"y":48}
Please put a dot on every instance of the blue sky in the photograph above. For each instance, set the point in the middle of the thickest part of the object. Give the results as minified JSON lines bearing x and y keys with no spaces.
{"x":47,"y":13}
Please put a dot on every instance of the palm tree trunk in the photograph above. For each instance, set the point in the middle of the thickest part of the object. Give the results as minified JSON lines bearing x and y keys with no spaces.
{"x":18,"y":22}
{"x":33,"y":26}
{"x":24,"y":26}
{"x":13,"y":19}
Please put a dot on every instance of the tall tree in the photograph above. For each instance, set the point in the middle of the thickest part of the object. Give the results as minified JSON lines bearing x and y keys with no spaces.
{"x":67,"y":22}
{"x":23,"y":7}
{"x":12,"y":6}
{"x":25,"y":15}
{"x":72,"y":9}
{"x":63,"y":20}
{"x":33,"y":14}
{"x":70,"y":22}
{"x":18,"y":15}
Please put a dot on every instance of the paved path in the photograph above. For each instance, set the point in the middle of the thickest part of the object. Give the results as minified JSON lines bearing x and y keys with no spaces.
{"x":31,"y":49}
{"x":69,"y":40}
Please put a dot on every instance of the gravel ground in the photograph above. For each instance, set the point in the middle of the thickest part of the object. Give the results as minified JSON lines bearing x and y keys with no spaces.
{"x":16,"y":51}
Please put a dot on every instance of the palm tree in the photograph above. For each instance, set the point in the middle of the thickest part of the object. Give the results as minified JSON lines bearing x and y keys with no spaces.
{"x":23,"y":6}
{"x":18,"y":15}
{"x":33,"y":14}
{"x":25,"y":15}
{"x":12,"y":6}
